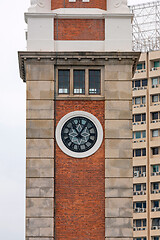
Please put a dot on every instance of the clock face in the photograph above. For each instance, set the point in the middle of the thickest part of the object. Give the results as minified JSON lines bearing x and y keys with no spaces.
{"x":79,"y":134}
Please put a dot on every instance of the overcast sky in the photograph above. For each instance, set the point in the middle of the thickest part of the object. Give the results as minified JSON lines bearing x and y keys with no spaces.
{"x":12,"y":119}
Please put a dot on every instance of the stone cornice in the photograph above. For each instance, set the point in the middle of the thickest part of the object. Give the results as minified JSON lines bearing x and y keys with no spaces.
{"x":78,"y":58}
{"x":77,"y":15}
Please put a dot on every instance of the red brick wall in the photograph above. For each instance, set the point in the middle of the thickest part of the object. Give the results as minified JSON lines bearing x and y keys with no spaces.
{"x":79,"y":29}
{"x":80,"y":184}
{"x":78,"y":4}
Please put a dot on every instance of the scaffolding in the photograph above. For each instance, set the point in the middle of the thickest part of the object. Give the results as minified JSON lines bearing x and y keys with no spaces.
{"x":146,"y":26}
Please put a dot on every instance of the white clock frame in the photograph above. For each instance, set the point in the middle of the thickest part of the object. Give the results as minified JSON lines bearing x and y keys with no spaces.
{"x":99,"y":134}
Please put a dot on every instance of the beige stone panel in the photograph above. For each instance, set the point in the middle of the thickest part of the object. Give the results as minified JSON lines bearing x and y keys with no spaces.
{"x":114,"y":203}
{"x":118,"y":72}
{"x":40,"y":187}
{"x":115,"y":90}
{"x":40,"y":148}
{"x":40,"y":168}
{"x":118,"y":110}
{"x":39,"y":207}
{"x":118,"y":168}
{"x":119,"y":222}
{"x":40,"y":90}
{"x":119,"y":183}
{"x":40,"y":109}
{"x":118,"y":148}
{"x":119,"y":212}
{"x":118,"y":192}
{"x":39,"y":129}
{"x":118,"y":129}
{"x":119,"y":232}
{"x":40,"y":71}
{"x":39,"y":227}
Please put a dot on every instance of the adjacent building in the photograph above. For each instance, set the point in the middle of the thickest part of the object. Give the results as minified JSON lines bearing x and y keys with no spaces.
{"x":146,"y":147}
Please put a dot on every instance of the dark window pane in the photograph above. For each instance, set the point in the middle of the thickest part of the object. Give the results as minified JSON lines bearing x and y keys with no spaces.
{"x":156,"y":204}
{"x":156,"y":238}
{"x":154,"y":115}
{"x":138,"y":118}
{"x":143,"y":117}
{"x":156,"y":64}
{"x":137,"y":83}
{"x":144,"y":222}
{"x":144,"y":82}
{"x":155,"y":151}
{"x":139,"y":205}
{"x":154,"y":98}
{"x":132,"y":84}
{"x":138,"y":153}
{"x":139,"y":66}
{"x":144,"y":152}
{"x":94,"y":81}
{"x":144,"y":205}
{"x":63,"y":81}
{"x":138,"y":187}
{"x":156,"y":221}
{"x":79,"y":81}
{"x":155,"y":186}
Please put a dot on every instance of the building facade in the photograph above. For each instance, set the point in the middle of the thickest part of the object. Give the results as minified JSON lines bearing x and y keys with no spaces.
{"x":146,"y":142}
{"x":78,"y":70}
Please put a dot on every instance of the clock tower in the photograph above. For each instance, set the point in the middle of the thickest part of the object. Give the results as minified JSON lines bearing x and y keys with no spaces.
{"x":78,"y":69}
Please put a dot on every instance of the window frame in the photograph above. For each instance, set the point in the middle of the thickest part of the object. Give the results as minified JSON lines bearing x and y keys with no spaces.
{"x":86,"y":94}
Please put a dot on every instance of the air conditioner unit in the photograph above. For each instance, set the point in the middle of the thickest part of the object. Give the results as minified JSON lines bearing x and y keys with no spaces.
{"x":154,"y":191}
{"x":136,"y":106}
{"x":140,"y":229}
{"x":154,"y":174}
{"x":143,"y":70}
{"x":142,"y":210}
{"x":158,"y":209}
{"x":144,"y":122}
{"x":154,"y":86}
{"x":144,"y":229}
{"x":141,"y":140}
{"x":155,"y":227}
{"x":154,"y":121}
{"x":136,"y":123}
{"x":156,"y":104}
{"x":134,"y":229}
{"x":153,"y":209}
{"x":134,"y":141}
{"x":143,"y":193}
{"x":154,"y":69}
{"x":138,"y":210}
{"x":136,"y":174}
{"x":135,"y":193}
{"x":144,"y":174}
{"x":136,"y":88}
{"x":142,"y":105}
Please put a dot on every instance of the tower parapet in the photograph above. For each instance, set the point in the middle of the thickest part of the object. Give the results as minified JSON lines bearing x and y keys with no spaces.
{"x":79,"y":25}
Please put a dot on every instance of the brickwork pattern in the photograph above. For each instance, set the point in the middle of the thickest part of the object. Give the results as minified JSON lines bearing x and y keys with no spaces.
{"x":80,"y":184}
{"x":78,"y":4}
{"x":79,"y":29}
